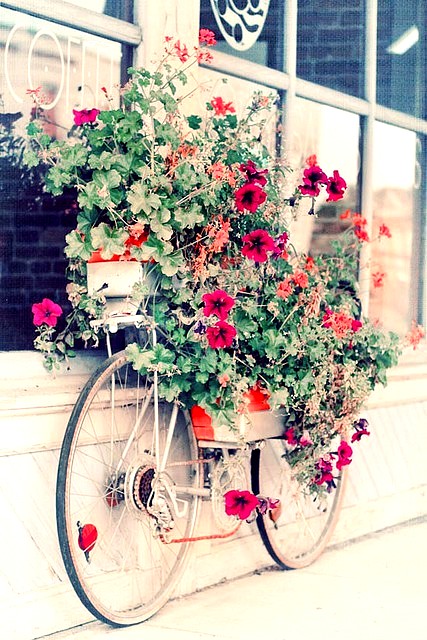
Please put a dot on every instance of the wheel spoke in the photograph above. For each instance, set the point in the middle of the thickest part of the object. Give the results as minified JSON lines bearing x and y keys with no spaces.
{"x":107,"y":478}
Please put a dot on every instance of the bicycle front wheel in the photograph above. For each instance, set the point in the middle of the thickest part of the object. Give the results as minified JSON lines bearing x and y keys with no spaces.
{"x":302,"y":526}
{"x":123,"y":493}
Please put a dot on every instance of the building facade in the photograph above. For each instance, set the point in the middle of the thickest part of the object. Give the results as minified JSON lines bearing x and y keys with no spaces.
{"x":351,"y":84}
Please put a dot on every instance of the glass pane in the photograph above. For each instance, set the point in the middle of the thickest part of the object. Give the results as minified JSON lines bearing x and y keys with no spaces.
{"x":70,"y":68}
{"x":395,"y":204}
{"x":330,"y":44}
{"x":250,"y":29}
{"x":122,"y":9}
{"x":333,"y":136}
{"x":401,"y":80}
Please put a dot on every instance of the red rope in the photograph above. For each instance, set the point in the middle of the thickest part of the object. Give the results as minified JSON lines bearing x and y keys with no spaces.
{"x":214,"y":536}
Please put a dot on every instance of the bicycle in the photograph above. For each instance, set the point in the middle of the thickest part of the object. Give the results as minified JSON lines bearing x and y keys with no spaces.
{"x":130,"y":480}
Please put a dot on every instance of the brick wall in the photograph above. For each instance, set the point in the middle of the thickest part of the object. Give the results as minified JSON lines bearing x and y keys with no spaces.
{"x":32,"y":230}
{"x":331,"y":43}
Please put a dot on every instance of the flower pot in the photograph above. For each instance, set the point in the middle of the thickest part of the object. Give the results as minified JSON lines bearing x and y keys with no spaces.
{"x":259,"y":423}
{"x":116,"y":280}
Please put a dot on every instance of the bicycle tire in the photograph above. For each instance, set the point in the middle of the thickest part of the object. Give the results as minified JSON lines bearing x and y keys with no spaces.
{"x":132,"y":572}
{"x":303,"y":526}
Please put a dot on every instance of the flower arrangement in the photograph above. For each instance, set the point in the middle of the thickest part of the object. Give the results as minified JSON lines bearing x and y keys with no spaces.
{"x":203,"y":205}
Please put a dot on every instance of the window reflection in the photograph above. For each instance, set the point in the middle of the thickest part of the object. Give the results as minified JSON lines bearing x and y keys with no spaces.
{"x":330,"y":44}
{"x":395,"y":204}
{"x":70,"y":67}
{"x":333,"y":135}
{"x":250,"y":29}
{"x":116,"y":8}
{"x":401,"y":79}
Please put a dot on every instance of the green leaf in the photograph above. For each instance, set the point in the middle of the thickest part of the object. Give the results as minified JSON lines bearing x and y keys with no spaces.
{"x":142,"y":199}
{"x":189,"y":217}
{"x":110,"y":241}
{"x":194,"y":122}
{"x":31,"y":159}
{"x":78,"y":246}
{"x":163,"y":231}
{"x":172,"y":263}
{"x":86,"y":220}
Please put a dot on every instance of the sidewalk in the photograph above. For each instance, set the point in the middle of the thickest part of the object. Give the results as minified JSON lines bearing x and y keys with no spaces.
{"x":372,"y":589}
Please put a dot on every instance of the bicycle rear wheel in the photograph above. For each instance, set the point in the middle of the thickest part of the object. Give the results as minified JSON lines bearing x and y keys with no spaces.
{"x":114,"y":510}
{"x":303,"y":526}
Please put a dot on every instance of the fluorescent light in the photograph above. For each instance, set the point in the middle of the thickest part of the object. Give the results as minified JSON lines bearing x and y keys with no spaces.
{"x":405,"y":41}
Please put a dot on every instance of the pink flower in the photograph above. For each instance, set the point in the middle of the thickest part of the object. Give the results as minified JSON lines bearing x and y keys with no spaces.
{"x":217,"y":303}
{"x":207,"y":37}
{"x":220,"y":107}
{"x":305,"y":440}
{"x":221,"y":335}
{"x":249,"y":197}
{"x":355,"y":325}
{"x":223,"y":379}
{"x":46,"y":312}
{"x":240,"y":503}
{"x":335,"y":187}
{"x":253,"y":174}
{"x":256,"y":245}
{"x":85,"y":116}
{"x":289,"y":436}
{"x":344,"y":455}
{"x":324,"y":474}
{"x":313,"y":177}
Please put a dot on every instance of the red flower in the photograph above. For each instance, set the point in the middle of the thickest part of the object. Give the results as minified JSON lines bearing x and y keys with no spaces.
{"x":249,"y":197}
{"x":207,"y":37}
{"x":220,"y":107}
{"x":313,"y":177}
{"x":384,"y":231}
{"x":361,"y":234}
{"x":221,"y":335}
{"x":46,"y":312}
{"x":335,"y":187}
{"x":240,"y":503}
{"x":415,"y":336}
{"x":378,"y":279}
{"x":285,"y":289}
{"x":300,"y":278}
{"x":257,"y":243}
{"x":344,"y":454}
{"x":310,"y":263}
{"x":85,"y":116}
{"x":253,"y":174}
{"x":217,"y":303}
{"x":181,"y":51}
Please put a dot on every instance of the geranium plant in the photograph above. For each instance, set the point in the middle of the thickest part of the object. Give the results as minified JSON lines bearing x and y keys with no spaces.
{"x":203,"y":204}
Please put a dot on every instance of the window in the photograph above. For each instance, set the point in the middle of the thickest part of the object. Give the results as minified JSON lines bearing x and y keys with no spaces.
{"x":401,"y":55}
{"x":395,"y":261}
{"x":330,"y":44}
{"x":69,"y":66}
